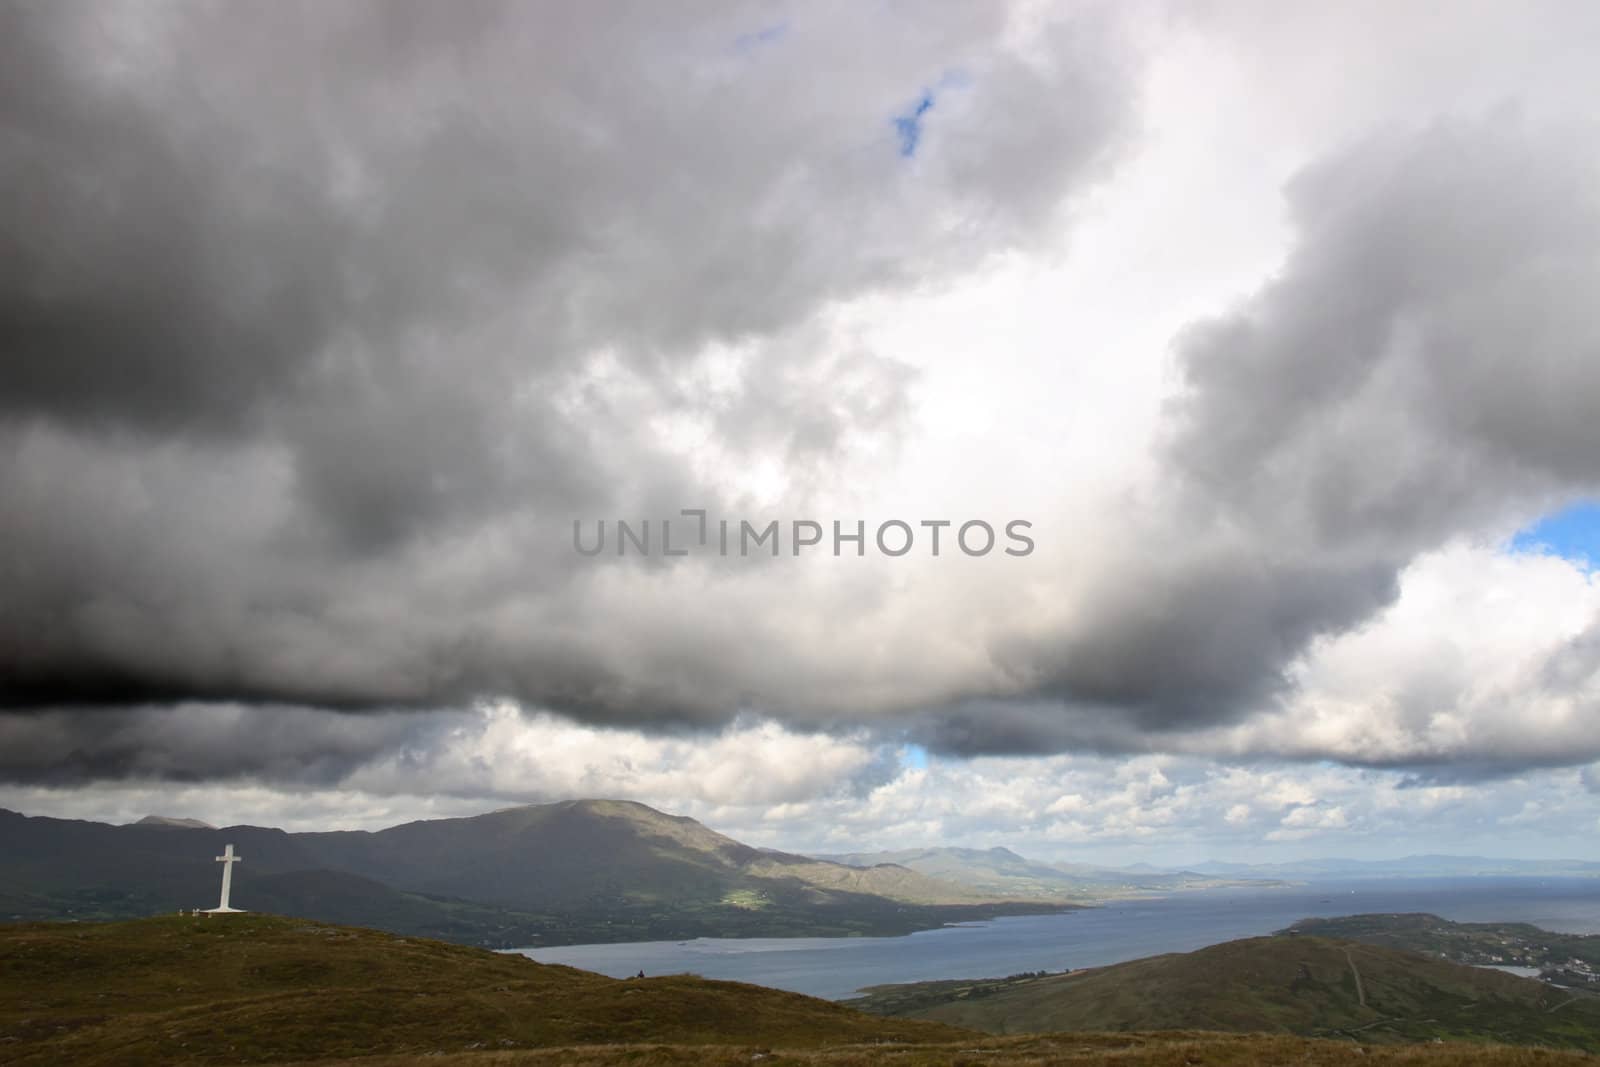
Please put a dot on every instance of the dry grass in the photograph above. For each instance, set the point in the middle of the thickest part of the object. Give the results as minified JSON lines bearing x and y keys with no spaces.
{"x":260,"y":989}
{"x":1118,"y":1050}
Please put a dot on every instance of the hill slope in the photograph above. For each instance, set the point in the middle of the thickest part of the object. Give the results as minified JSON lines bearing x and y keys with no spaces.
{"x":1568,"y":959}
{"x":1299,"y":985}
{"x":257,"y":989}
{"x":577,"y":871}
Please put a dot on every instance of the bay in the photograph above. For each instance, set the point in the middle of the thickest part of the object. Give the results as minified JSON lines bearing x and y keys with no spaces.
{"x":836,"y":967}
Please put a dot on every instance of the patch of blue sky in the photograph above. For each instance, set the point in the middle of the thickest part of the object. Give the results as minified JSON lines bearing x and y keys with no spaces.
{"x":1573,"y":533}
{"x":908,"y":127}
{"x":914,"y":757}
{"x":908,"y":124}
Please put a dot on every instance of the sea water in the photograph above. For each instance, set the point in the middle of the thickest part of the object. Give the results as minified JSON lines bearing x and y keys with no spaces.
{"x":836,"y":967}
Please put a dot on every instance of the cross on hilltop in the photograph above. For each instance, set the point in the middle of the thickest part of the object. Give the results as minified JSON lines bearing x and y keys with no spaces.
{"x":227,"y":859}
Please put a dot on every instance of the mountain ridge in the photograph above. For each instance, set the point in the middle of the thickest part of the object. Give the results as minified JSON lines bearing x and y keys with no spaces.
{"x":561,"y":873}
{"x":999,"y":870}
{"x":1420,"y":865}
{"x":167,"y":820}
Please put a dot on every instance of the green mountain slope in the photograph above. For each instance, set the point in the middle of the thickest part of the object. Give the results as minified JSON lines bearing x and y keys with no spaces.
{"x":1300,"y":985}
{"x":577,"y":871}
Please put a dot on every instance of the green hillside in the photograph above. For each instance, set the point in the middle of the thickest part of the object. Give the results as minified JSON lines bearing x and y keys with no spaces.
{"x":1299,"y":985}
{"x":572,"y":872}
{"x":258,"y":989}
{"x":1569,"y":959}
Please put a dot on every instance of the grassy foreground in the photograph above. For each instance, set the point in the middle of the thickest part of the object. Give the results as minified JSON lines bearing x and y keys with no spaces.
{"x":1118,"y":1050}
{"x":261,"y":989}
{"x":264,"y":989}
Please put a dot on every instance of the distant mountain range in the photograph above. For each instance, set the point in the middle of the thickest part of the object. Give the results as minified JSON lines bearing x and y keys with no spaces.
{"x":167,"y":820}
{"x":571,"y":872}
{"x":1002,"y":872}
{"x":586,"y":871}
{"x":1427,"y":866}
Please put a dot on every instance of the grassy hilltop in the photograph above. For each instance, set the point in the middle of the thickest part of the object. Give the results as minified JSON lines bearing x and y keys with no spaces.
{"x":261,"y":989}
{"x":264,"y":989}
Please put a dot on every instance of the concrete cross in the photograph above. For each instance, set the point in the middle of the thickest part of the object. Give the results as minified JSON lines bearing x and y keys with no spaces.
{"x":227,"y":859}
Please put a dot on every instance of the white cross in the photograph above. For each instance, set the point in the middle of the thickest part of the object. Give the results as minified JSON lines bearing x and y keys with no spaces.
{"x":227,"y":859}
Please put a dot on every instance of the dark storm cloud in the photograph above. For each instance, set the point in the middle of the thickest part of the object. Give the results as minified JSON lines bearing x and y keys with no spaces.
{"x":321,"y":321}
{"x":1196,"y":639}
{"x":1424,"y":355}
{"x":1024,"y":728}
{"x":150,"y":278}
{"x":191,"y":742}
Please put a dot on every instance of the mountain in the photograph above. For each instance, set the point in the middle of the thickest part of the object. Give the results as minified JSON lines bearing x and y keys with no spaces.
{"x":1427,"y":866}
{"x":572,"y":851}
{"x":995,"y":870}
{"x":576,"y":871}
{"x":167,"y":820}
{"x":266,"y":990}
{"x":1309,"y":986}
{"x":1001,"y":872}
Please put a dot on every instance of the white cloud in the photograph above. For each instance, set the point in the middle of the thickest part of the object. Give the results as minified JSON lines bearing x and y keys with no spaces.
{"x":1486,"y":659}
{"x":769,"y":786}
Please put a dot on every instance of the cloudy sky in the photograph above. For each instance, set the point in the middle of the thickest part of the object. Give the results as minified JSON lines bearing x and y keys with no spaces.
{"x":329,"y":332}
